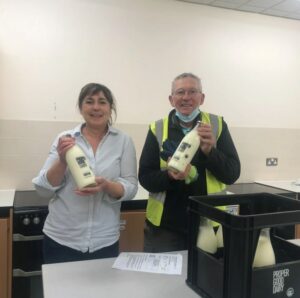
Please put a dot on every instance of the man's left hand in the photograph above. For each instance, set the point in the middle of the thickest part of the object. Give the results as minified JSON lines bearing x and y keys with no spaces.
{"x":207,"y":138}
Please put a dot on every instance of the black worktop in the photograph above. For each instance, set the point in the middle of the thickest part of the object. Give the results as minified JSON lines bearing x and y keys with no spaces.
{"x":245,"y":188}
{"x":4,"y":212}
{"x":134,"y":205}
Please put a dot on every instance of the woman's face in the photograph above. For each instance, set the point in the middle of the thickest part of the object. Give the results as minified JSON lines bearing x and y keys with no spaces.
{"x":96,"y":110}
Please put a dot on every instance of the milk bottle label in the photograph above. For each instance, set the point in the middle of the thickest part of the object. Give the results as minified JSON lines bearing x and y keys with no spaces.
{"x":81,"y":161}
{"x":184,"y":146}
{"x":79,"y":167}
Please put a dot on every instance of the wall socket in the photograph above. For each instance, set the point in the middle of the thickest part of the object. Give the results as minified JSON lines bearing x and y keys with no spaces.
{"x":271,"y":161}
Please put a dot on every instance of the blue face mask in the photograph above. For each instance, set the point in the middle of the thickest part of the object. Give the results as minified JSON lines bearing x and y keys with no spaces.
{"x":188,"y":118}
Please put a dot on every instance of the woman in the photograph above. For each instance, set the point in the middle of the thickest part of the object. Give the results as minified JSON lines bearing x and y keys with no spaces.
{"x":84,"y":223}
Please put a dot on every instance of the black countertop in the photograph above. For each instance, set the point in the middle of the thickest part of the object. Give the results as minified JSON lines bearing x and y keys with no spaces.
{"x":30,"y":199}
{"x":4,"y":212}
{"x":27,"y":198}
{"x":239,"y":188}
{"x":134,"y":205}
{"x":244,"y":188}
{"x":286,"y":232}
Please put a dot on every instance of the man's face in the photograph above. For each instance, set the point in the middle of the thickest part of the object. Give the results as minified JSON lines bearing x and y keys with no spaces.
{"x":186,"y":95}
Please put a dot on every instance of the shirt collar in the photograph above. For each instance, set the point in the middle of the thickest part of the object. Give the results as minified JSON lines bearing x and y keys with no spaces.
{"x":77,"y":130}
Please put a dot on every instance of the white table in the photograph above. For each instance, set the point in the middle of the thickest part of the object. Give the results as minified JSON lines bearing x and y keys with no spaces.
{"x":295,"y":241}
{"x":288,"y":185}
{"x":96,"y":278}
{"x":6,"y":202}
{"x":7,"y":197}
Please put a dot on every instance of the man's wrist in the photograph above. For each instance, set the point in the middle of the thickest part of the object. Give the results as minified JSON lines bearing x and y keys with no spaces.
{"x":192,"y":175}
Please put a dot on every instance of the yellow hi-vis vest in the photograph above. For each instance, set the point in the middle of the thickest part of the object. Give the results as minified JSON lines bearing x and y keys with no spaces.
{"x":155,"y":205}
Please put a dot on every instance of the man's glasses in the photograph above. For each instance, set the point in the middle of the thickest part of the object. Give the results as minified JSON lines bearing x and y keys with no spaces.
{"x":190,"y":92}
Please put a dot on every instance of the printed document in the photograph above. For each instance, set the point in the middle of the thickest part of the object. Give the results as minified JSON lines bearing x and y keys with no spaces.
{"x":149,"y":262}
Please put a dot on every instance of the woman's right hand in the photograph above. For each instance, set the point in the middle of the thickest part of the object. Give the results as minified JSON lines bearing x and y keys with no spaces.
{"x":64,"y":144}
{"x":56,"y":172}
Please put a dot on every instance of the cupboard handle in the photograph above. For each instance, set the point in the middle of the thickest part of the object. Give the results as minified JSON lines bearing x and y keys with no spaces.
{"x":122,"y":224}
{"x":20,"y":237}
{"x":21,"y":273}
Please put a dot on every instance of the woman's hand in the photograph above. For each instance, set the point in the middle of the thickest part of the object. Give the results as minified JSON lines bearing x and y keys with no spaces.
{"x":56,"y":172}
{"x":207,"y":138}
{"x":101,"y":185}
{"x":64,"y":144}
{"x":114,"y":189}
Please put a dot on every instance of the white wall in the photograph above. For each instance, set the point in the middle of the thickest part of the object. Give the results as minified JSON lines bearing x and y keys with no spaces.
{"x":249,"y":63}
{"x":49,"y":49}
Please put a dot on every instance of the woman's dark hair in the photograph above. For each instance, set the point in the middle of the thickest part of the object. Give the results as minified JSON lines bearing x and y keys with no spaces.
{"x":94,"y":88}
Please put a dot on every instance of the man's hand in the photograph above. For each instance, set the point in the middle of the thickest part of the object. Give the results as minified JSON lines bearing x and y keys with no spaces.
{"x":180,"y":175}
{"x":207,"y":139}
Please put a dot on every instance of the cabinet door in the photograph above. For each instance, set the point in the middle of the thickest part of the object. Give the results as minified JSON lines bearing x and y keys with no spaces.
{"x":297,"y":233}
{"x":132,"y":231}
{"x":3,"y":257}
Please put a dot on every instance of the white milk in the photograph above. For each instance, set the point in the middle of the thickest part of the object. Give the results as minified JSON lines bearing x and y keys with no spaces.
{"x":264,"y":255}
{"x":185,"y":151}
{"x":79,"y":167}
{"x":220,"y":236}
{"x":207,"y":239}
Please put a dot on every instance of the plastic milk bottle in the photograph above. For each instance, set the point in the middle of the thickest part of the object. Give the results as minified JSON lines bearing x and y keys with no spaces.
{"x":185,"y":151}
{"x":79,"y":167}
{"x":207,"y":239}
{"x":220,"y":236}
{"x":264,"y":255}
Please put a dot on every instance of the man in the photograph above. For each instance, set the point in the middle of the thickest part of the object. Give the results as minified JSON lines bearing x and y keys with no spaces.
{"x":214,"y":165}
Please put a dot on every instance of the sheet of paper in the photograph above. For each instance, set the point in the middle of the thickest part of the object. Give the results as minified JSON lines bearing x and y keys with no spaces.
{"x":149,"y":262}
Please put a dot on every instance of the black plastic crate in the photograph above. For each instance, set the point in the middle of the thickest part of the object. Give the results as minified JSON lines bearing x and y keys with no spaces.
{"x":232,"y":275}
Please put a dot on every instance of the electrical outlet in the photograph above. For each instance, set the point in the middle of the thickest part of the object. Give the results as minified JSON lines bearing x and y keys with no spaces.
{"x":271,"y":161}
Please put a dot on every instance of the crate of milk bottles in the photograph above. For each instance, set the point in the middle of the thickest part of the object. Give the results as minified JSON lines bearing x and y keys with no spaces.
{"x":236,"y":254}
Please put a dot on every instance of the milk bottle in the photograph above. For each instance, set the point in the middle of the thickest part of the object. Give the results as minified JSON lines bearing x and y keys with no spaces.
{"x":185,"y":151}
{"x":220,"y":237}
{"x":264,"y":255}
{"x":207,"y":239}
{"x":79,"y":167}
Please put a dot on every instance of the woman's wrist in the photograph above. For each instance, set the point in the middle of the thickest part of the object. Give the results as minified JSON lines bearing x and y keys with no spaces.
{"x":62,"y":162}
{"x":114,"y":189}
{"x":56,"y":173}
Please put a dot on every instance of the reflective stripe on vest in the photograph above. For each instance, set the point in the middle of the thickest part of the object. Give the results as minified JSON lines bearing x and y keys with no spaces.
{"x":213,"y":185}
{"x":155,"y":205}
{"x":160,"y":129}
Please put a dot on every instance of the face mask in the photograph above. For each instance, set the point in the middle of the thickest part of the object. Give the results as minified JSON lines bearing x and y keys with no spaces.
{"x":188,"y":118}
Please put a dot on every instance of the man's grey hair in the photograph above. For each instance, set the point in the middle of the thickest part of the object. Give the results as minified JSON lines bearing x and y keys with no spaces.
{"x":186,"y":75}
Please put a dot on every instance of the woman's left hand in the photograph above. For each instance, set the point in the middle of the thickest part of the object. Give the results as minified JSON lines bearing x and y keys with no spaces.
{"x":101,"y":185}
{"x":113,"y":189}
